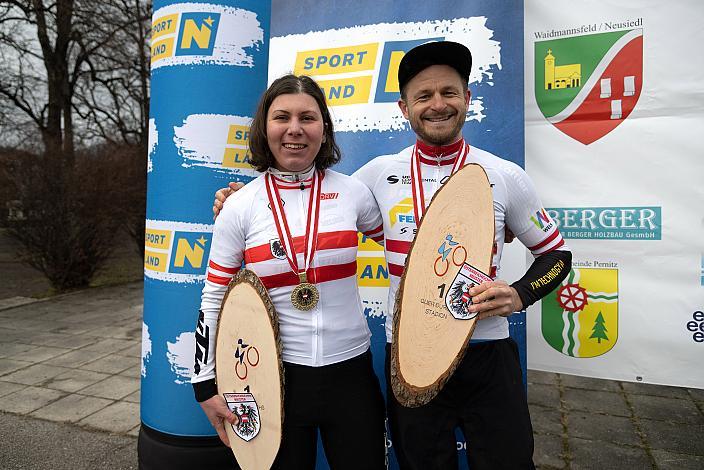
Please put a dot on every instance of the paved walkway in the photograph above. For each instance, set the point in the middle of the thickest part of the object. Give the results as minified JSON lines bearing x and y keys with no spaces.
{"x":69,"y":396}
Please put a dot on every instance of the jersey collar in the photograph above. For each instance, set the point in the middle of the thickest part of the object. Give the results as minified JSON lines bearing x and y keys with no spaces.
{"x":292,"y":179}
{"x":439,"y":155}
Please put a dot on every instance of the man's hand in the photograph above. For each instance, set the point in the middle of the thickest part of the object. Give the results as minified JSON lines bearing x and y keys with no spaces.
{"x":218,"y":413}
{"x":494,"y":298}
{"x":222,"y":194}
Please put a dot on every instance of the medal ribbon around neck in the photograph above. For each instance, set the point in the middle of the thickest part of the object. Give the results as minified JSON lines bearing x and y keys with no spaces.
{"x":417,"y":178}
{"x":284,"y":232}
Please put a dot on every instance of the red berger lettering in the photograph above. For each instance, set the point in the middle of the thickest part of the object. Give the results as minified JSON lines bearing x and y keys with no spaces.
{"x":325,"y":196}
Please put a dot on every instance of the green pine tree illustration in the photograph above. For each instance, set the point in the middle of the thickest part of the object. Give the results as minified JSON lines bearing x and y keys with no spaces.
{"x":599,"y":330}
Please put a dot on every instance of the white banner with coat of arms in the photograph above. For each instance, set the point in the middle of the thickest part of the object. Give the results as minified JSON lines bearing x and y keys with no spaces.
{"x":613,"y":127}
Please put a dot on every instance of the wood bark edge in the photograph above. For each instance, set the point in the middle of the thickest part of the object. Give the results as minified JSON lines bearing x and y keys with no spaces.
{"x":406,"y":394}
{"x":249,"y":277}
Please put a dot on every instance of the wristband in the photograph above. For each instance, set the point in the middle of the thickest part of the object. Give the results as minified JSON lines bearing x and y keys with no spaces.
{"x":205,"y":390}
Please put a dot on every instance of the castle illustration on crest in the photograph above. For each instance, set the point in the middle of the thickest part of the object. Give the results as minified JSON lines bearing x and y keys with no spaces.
{"x":561,"y":76}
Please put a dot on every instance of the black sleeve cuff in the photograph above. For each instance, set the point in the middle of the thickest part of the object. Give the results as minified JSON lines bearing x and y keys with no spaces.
{"x":204,"y":390}
{"x":543,"y":276}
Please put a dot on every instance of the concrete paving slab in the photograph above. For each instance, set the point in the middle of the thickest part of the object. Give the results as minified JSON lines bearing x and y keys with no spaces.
{"x":72,"y":341}
{"x":34,"y":374}
{"x":8,"y":387}
{"x":134,"y":372}
{"x":544,"y":395}
{"x":8,"y":335}
{"x":123,"y":332}
{"x":75,"y":380}
{"x":596,"y":401}
{"x":24,"y":323}
{"x":670,"y":461}
{"x":29,"y":399}
{"x":133,"y":397}
{"x":597,"y":427}
{"x":111,"y":364}
{"x":548,"y":452}
{"x":13,"y":349}
{"x":8,"y":366}
{"x":30,"y":443}
{"x":135,"y":349}
{"x":76,"y":358}
{"x":39,"y":353}
{"x":588,"y":383}
{"x":119,"y":417}
{"x":114,"y":387}
{"x":110,"y":345}
{"x":46,"y":338}
{"x":546,"y":420}
{"x":674,"y":437}
{"x":696,"y":393}
{"x":590,"y":455}
{"x":666,"y":409}
{"x":541,"y":377}
{"x":71,"y":408}
{"x":652,"y":389}
{"x":73,"y":328}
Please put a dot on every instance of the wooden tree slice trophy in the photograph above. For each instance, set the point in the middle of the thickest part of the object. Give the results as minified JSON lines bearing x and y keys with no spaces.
{"x":452,"y":250}
{"x":249,"y":370}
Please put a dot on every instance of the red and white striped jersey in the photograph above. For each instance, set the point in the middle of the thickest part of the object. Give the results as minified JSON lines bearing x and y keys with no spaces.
{"x":245,"y":231}
{"x":516,"y":206}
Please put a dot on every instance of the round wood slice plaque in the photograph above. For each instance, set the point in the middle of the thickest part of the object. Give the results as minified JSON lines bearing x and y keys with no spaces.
{"x":249,"y":370}
{"x":452,"y":250}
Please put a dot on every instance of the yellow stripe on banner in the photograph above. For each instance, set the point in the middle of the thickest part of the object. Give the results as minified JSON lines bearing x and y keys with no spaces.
{"x":372,"y":272}
{"x":238,"y":135}
{"x":154,"y":261}
{"x":236,"y":158}
{"x":164,"y":25}
{"x":154,"y":238}
{"x":392,"y":75}
{"x":343,"y":91}
{"x":336,"y":60}
{"x":162,"y":49}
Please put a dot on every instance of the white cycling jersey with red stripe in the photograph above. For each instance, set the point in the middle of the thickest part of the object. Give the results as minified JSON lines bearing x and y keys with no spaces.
{"x":336,"y":329}
{"x":516,"y":206}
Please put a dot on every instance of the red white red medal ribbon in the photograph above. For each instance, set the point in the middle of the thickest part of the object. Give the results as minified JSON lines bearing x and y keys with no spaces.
{"x":417,"y":178}
{"x":277,"y":208}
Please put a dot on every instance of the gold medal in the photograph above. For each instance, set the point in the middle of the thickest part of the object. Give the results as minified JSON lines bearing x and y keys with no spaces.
{"x":305,"y":295}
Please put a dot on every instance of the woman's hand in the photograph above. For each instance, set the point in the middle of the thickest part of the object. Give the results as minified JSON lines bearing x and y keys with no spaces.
{"x":218,"y":413}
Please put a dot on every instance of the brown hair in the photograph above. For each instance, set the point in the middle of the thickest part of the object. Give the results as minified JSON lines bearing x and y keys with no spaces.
{"x":260,"y":154}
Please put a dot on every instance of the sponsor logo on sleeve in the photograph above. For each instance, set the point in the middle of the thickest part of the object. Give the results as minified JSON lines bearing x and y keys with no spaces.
{"x":542,"y":220}
{"x":586,"y":85}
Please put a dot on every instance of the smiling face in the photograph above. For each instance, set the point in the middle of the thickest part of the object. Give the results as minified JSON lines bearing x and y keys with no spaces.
{"x":435,"y":104}
{"x":294,"y":131}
